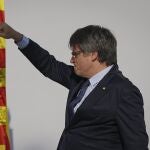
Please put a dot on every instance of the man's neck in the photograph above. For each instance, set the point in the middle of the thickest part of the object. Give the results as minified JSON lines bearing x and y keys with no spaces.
{"x":97,"y":68}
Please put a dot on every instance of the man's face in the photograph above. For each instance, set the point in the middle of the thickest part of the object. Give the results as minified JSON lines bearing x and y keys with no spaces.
{"x":82,"y":62}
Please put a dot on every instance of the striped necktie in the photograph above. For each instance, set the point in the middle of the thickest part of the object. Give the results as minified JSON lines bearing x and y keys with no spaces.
{"x":78,"y":97}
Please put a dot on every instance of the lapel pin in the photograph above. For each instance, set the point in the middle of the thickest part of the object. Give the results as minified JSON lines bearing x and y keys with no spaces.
{"x":104,"y":88}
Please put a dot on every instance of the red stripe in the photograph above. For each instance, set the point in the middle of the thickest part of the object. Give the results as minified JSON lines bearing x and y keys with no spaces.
{"x":2,"y":18}
{"x":2,"y":131}
{"x":2,"y":58}
{"x":3,"y":137}
{"x":2,"y":96}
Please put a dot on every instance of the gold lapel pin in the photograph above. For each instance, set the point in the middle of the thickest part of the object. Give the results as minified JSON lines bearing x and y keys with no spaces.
{"x":104,"y":88}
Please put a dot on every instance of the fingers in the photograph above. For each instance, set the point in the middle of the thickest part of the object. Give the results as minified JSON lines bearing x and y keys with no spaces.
{"x":1,"y":27}
{"x":6,"y":31}
{"x":3,"y":30}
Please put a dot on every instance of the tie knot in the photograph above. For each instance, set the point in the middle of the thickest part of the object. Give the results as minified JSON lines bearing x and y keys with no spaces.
{"x":86,"y":84}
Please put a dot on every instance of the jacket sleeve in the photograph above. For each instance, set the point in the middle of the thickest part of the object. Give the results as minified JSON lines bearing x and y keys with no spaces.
{"x":48,"y":65}
{"x":130,"y":120}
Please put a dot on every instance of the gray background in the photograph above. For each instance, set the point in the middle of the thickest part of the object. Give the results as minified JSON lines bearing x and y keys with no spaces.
{"x":37,"y":104}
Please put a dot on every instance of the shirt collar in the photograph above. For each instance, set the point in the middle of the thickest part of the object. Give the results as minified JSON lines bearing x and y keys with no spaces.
{"x":99,"y":76}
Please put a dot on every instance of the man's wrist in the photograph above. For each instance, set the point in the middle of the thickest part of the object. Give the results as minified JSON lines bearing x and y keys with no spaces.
{"x":23,"y":42}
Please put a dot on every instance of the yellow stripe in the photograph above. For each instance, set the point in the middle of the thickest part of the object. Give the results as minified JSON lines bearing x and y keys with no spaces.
{"x":1,"y":4}
{"x":2,"y":82}
{"x":3,"y":115}
{"x":2,"y":147}
{"x":2,"y":42}
{"x":2,"y":72}
{"x":2,"y":77}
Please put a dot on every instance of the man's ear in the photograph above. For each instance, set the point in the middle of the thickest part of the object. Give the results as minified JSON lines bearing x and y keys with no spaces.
{"x":94,"y":56}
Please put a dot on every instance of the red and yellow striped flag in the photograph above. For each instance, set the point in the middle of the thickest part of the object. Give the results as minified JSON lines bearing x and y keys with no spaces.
{"x":4,"y":137}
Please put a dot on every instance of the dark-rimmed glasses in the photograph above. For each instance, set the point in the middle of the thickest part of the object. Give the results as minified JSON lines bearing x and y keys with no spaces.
{"x":75,"y":54}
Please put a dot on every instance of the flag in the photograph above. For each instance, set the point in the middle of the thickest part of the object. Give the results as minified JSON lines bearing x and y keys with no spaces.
{"x":4,"y":134}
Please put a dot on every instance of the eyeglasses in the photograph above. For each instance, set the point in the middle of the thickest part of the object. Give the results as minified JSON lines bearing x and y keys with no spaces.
{"x":75,"y":54}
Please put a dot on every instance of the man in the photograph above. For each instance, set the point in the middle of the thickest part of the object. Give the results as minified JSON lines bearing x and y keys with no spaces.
{"x":104,"y":109}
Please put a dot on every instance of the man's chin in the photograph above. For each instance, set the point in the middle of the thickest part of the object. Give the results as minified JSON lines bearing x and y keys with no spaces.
{"x":76,"y":71}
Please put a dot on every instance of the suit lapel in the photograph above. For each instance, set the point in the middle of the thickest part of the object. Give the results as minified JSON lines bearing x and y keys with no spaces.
{"x":96,"y":95}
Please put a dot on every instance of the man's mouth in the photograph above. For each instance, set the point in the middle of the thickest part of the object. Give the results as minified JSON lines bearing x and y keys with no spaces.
{"x":75,"y":67}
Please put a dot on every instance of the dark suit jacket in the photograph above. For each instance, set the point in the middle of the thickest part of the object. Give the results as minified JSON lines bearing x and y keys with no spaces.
{"x":110,"y":118}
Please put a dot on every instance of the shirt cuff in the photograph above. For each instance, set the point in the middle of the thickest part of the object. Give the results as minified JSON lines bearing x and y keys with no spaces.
{"x":23,"y":43}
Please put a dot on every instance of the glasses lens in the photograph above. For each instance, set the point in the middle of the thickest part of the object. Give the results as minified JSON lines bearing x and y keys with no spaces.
{"x":75,"y":54}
